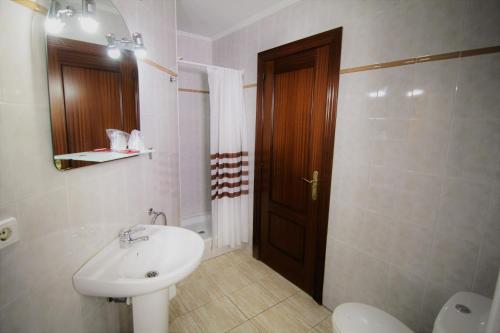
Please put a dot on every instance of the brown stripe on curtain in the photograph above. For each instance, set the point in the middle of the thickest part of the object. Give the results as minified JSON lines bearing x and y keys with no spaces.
{"x":228,"y":165}
{"x":228,"y":155}
{"x":229,"y":194}
{"x":229,"y":185}
{"x":229,"y":175}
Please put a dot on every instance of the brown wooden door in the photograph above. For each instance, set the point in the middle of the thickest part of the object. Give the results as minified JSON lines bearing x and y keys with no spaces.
{"x":297,"y":91}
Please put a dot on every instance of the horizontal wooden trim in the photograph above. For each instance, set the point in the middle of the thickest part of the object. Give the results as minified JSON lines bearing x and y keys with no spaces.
{"x":194,"y":90}
{"x":229,"y":194}
{"x":427,"y":58}
{"x":411,"y":61}
{"x":36,"y":7}
{"x":160,"y":67}
{"x":484,"y":50}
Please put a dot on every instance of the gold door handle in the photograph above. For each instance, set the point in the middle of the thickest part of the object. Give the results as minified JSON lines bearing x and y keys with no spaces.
{"x":314,"y":184}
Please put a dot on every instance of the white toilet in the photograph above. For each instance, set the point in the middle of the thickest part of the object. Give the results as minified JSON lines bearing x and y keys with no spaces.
{"x":362,"y":318}
{"x":463,"y":313}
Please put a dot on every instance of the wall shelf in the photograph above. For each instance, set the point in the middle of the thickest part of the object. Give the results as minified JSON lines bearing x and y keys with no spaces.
{"x":101,"y":156}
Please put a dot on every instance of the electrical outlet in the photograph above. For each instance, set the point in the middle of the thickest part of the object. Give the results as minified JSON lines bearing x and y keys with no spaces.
{"x":9,"y":232}
{"x":5,"y":234}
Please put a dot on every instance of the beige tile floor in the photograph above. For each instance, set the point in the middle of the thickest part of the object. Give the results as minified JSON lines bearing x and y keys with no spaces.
{"x":236,"y":293}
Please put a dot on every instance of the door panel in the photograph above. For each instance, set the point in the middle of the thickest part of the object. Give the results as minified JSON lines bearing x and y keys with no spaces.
{"x":297,"y":91}
{"x":292,"y":105}
{"x":93,"y":104}
{"x":287,"y":236}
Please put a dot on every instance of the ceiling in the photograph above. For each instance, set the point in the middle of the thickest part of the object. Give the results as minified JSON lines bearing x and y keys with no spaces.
{"x":215,"y":18}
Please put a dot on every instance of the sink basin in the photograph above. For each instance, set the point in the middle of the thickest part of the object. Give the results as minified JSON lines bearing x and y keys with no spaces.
{"x":169,"y":255}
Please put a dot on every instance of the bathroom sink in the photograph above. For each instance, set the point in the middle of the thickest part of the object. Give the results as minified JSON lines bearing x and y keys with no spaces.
{"x":168,"y":256}
{"x":144,"y":269}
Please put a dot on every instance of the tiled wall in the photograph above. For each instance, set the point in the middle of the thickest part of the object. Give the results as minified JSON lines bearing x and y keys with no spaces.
{"x":415,"y":209}
{"x":66,"y":217}
{"x":194,"y":128}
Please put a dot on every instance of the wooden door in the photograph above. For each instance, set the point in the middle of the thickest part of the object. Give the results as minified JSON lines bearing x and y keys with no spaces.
{"x":297,"y":94}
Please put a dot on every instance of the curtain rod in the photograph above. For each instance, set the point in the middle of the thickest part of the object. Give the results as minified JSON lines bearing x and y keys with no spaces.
{"x":180,"y":61}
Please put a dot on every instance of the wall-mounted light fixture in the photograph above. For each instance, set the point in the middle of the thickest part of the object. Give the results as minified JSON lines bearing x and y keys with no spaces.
{"x":113,"y":50}
{"x":139,"y":49}
{"x":87,"y":19}
{"x":54,"y":23}
{"x":116,"y":45}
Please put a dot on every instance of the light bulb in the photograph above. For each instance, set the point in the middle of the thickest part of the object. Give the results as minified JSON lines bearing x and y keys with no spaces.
{"x":140,"y":52}
{"x":54,"y":25}
{"x":114,"y":52}
{"x":88,"y":24}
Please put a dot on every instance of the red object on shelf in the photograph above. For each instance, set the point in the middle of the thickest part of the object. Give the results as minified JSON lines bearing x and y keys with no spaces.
{"x":125,"y":151}
{"x":129,"y":151}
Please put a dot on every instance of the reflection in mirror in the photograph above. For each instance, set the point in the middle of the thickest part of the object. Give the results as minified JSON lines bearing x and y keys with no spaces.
{"x":93,"y":83}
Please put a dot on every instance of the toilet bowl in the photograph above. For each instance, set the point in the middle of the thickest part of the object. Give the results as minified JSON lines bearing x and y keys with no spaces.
{"x":362,"y":318}
{"x":464,"y":312}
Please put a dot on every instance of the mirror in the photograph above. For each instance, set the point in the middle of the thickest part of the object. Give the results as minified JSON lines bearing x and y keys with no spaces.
{"x":93,"y":83}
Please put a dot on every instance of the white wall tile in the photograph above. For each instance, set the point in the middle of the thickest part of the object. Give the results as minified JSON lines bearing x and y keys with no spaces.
{"x":194,"y":127}
{"x":452,"y":262}
{"x":404,"y":297}
{"x":481,"y":26}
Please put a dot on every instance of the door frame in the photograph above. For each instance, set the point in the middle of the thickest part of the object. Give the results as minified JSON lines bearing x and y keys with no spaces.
{"x":333,"y":38}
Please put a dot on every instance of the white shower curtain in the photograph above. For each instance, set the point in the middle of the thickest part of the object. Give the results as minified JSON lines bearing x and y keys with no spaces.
{"x":228,"y":157}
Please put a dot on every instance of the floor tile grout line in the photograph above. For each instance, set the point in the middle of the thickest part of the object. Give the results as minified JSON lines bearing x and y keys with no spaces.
{"x":275,"y":305}
{"x":261,"y":312}
{"x":226,"y":295}
{"x":257,"y":281}
{"x":196,"y":323}
{"x":216,"y":299}
{"x":241,"y":312}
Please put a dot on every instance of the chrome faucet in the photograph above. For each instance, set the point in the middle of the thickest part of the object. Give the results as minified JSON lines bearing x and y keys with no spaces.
{"x":155,"y":216}
{"x":126,"y":239}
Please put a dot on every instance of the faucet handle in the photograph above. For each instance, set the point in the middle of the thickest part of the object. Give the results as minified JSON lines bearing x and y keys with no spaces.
{"x":129,"y":231}
{"x":125,"y":232}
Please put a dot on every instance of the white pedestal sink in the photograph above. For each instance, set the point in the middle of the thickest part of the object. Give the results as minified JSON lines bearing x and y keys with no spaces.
{"x":172,"y":253}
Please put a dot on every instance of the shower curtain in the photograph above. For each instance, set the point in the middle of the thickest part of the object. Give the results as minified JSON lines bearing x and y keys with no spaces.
{"x":228,"y":157}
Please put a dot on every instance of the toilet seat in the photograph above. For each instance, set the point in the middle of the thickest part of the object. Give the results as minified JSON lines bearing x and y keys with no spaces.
{"x":362,"y":318}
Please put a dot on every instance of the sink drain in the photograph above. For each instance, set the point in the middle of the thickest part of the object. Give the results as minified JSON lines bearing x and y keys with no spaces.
{"x":201,"y":232}
{"x":462,"y":308}
{"x":151,"y":274}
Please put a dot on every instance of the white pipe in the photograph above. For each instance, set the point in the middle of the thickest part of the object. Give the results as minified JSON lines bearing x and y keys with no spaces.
{"x":494,"y":318}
